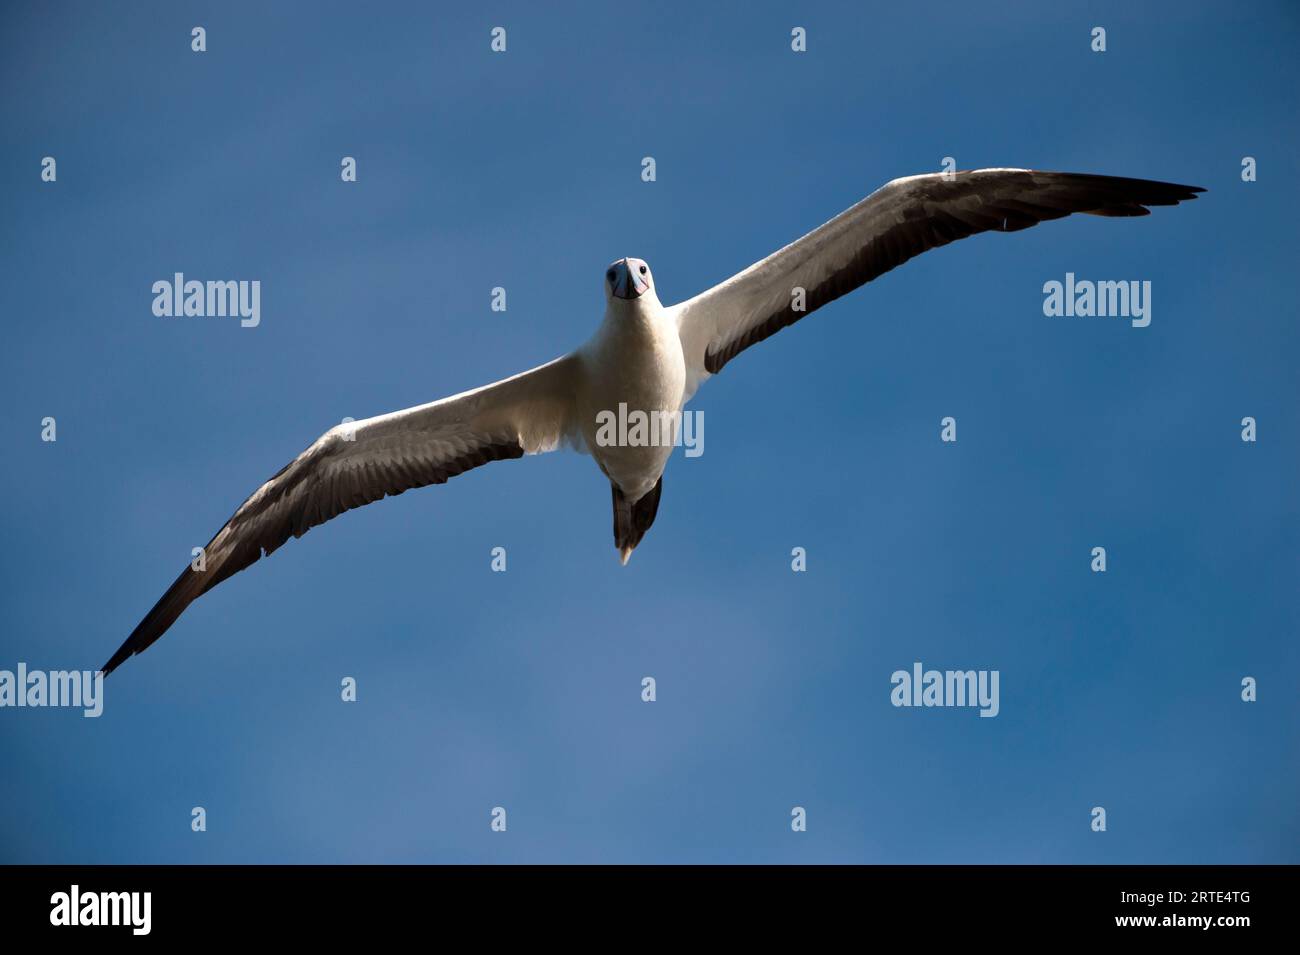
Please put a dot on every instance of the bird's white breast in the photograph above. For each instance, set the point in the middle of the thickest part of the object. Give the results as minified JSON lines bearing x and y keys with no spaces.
{"x":633,"y":365}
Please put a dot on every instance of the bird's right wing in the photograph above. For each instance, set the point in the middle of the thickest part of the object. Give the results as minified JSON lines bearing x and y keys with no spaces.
{"x":359,"y":462}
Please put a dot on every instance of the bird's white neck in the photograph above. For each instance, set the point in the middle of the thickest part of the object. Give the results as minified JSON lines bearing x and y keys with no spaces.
{"x":633,"y":318}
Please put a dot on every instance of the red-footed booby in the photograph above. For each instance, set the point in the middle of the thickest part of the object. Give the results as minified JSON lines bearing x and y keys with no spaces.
{"x":644,"y":356}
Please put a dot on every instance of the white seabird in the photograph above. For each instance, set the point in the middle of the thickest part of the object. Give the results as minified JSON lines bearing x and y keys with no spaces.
{"x":645,"y":357}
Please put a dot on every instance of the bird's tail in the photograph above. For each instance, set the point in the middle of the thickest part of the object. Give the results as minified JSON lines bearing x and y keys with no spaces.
{"x":633,"y":518}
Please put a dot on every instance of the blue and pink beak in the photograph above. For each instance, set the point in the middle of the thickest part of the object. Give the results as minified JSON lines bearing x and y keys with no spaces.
{"x":628,"y":278}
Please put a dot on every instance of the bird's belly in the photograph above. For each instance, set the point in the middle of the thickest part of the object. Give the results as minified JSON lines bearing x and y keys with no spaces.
{"x":633,"y":467}
{"x":631,"y":419}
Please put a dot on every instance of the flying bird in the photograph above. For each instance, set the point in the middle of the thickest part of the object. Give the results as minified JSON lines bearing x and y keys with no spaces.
{"x":644,"y":356}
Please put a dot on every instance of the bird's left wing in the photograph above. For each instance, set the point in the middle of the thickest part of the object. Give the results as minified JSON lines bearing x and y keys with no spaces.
{"x":359,"y":462}
{"x":900,"y":220}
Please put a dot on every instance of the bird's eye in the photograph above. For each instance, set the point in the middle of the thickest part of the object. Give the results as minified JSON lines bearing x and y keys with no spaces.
{"x":610,"y":275}
{"x":643,"y":270}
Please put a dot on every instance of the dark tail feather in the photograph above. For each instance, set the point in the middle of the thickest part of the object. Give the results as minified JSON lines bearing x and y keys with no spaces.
{"x":632,"y":520}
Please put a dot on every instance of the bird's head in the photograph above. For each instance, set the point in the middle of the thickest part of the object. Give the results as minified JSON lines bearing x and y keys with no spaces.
{"x":628,"y":279}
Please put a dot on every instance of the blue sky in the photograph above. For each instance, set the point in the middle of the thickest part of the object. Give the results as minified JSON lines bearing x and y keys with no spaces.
{"x":522,"y":689}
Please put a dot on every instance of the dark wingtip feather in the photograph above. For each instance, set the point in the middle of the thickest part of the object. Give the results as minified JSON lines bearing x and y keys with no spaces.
{"x":1148,"y":192}
{"x":184,"y":591}
{"x":117,"y":658}
{"x":132,"y":644}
